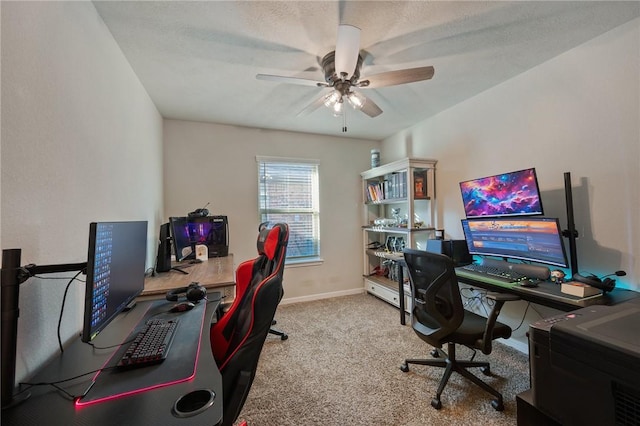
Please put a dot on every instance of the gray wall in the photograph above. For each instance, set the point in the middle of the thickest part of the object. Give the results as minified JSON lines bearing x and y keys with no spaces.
{"x":217,"y":163}
{"x":81,"y":142}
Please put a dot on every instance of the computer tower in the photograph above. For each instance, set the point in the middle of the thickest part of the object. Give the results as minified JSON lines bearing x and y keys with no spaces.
{"x":218,"y":239}
{"x":583,"y":365}
{"x":163,"y":259}
{"x":455,"y":249}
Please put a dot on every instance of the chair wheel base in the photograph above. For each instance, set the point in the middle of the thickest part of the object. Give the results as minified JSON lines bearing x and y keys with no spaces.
{"x":404,"y":367}
{"x":486,"y":371}
{"x":497,"y":405}
{"x":435,"y":353}
{"x":284,"y":337}
{"x":435,"y":403}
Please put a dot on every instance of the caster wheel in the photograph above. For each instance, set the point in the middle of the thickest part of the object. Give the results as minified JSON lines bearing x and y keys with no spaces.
{"x":435,"y":353}
{"x":497,"y":405}
{"x":486,"y":371}
{"x":404,"y":367}
{"x":284,"y":337}
{"x":435,"y":403}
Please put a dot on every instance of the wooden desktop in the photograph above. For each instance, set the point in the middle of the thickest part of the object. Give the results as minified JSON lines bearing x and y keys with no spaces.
{"x":215,"y":273}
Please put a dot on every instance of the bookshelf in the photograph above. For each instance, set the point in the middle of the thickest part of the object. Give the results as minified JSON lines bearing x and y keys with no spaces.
{"x":399,"y":211}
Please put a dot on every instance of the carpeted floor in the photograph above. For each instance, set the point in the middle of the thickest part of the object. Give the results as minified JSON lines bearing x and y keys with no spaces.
{"x":340,"y":366}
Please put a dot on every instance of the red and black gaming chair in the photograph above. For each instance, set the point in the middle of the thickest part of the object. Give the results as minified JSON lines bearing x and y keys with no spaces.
{"x":237,"y":338}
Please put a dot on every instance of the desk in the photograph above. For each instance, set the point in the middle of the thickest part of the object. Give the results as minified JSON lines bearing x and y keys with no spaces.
{"x":151,"y":407}
{"x":214,"y":273}
{"x":549,"y":294}
{"x":546,"y":294}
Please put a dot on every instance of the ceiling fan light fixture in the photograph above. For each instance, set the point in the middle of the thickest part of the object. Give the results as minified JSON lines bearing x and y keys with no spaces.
{"x":337,"y":108}
{"x":332,"y":98}
{"x":356,"y":100}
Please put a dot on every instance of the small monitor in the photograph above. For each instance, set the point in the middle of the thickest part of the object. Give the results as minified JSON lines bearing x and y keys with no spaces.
{"x":115,"y":272}
{"x":533,"y":239}
{"x":211,"y":231}
{"x":507,"y":194}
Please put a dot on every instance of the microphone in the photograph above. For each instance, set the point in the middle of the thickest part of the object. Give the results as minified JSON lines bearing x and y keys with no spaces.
{"x":616,"y":273}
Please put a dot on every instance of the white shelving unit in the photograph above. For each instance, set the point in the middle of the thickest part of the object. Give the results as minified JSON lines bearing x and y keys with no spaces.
{"x":405,"y":187}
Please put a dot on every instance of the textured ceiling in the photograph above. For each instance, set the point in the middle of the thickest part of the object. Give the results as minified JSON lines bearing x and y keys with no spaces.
{"x":198,"y":60}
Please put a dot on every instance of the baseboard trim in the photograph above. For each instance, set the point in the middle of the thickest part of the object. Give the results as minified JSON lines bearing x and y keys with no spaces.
{"x":311,"y":298}
{"x":517,"y":345}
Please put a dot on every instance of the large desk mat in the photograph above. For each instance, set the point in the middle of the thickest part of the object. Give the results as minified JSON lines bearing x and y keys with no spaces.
{"x":179,"y":366}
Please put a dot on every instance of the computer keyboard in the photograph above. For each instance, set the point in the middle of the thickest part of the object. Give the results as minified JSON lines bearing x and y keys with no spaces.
{"x":506,"y":274}
{"x":151,"y":345}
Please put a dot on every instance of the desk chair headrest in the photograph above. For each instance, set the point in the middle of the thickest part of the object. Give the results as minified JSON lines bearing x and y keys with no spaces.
{"x":271,"y":237}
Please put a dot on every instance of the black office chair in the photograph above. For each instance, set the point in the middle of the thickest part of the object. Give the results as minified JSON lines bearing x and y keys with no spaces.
{"x":438,"y":317}
{"x":238,"y":337}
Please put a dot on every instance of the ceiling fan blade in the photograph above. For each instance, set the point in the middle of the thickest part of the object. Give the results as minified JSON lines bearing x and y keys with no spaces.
{"x":370,"y":108}
{"x":312,"y":106}
{"x":291,"y":80}
{"x":347,"y":49}
{"x":392,"y":78}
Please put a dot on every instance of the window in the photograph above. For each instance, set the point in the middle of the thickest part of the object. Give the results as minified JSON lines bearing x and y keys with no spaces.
{"x":288,"y":192}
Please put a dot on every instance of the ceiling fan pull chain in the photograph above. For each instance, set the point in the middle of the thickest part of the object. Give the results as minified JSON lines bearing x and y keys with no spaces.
{"x":344,"y":120}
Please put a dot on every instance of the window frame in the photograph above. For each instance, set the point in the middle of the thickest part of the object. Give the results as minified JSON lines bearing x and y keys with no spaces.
{"x":313,"y":210}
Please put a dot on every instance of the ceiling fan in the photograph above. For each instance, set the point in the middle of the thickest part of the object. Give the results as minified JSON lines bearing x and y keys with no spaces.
{"x":342,"y":73}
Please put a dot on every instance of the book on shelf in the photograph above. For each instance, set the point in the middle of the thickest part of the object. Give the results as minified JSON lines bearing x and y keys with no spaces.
{"x":579,"y":289}
{"x":392,"y":186}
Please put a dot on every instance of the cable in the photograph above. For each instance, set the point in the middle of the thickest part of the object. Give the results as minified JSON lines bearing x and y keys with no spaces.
{"x":57,"y":278}
{"x":55,"y":384}
{"x":64,"y":298}
{"x":111,"y":346}
{"x":523,"y":317}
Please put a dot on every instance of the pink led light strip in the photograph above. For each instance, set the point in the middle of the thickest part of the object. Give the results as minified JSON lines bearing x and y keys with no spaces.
{"x":80,"y":404}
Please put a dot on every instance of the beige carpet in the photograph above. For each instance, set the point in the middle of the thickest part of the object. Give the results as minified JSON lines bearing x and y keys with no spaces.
{"x":340,"y":366}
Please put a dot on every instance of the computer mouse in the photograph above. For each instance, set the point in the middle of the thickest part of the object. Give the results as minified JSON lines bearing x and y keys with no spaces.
{"x":528,"y":284}
{"x":182,"y":307}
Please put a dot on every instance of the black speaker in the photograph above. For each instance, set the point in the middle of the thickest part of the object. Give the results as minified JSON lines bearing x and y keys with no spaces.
{"x":194,"y":293}
{"x":606,"y":284}
{"x":163,"y":260}
{"x":456,"y":249}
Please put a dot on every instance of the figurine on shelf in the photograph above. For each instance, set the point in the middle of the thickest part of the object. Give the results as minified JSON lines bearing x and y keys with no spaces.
{"x":395,"y":212}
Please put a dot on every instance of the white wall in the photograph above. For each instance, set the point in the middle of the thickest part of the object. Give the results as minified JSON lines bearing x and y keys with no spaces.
{"x":217,"y":163}
{"x":81,"y":142}
{"x":577,"y":113}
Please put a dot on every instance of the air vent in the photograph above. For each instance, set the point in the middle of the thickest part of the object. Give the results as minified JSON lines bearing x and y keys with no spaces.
{"x":627,"y":404}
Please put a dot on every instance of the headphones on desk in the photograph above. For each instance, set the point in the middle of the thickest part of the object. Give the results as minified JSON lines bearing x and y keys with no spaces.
{"x":605,"y":284}
{"x":194,"y":293}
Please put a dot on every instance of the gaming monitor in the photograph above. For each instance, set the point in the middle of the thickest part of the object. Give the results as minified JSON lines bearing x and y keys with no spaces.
{"x":187,"y":232}
{"x":507,"y":194}
{"x":533,"y":239}
{"x":115,"y":272}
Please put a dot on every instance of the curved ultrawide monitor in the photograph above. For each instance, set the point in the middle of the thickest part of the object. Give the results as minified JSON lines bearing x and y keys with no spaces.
{"x":507,"y":194}
{"x":533,"y":239}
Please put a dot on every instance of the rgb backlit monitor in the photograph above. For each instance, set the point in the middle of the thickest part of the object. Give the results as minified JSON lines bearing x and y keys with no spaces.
{"x":211,"y":231}
{"x":507,"y":194}
{"x":115,"y":272}
{"x":533,"y":239}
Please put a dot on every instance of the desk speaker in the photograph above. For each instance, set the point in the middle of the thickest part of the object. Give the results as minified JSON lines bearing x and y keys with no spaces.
{"x":163,"y":260}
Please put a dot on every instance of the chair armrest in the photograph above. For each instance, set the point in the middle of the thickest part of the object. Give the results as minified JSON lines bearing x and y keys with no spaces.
{"x":500,"y":299}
